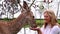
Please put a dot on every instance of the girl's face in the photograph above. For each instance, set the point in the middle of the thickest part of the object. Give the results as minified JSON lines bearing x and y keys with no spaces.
{"x":46,"y":18}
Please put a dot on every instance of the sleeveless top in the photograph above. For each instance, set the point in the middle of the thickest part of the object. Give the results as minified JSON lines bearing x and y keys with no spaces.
{"x":48,"y":30}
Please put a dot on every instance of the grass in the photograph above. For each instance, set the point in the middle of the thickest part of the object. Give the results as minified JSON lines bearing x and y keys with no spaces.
{"x":39,"y":22}
{"x":59,"y":21}
{"x":6,"y":19}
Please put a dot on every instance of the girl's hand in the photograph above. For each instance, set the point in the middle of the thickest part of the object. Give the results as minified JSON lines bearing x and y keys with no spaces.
{"x":37,"y":29}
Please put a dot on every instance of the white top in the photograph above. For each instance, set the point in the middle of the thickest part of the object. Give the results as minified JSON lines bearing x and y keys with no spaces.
{"x":49,"y":30}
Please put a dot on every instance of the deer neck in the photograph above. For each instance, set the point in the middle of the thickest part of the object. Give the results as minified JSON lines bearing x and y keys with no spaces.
{"x":17,"y":24}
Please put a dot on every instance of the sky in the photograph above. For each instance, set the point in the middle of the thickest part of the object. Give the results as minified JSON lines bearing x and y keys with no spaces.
{"x":36,"y":11}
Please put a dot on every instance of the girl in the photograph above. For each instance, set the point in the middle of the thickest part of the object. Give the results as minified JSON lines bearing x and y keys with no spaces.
{"x":50,"y":26}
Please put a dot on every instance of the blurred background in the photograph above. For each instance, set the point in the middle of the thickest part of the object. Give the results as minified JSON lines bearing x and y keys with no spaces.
{"x":11,"y":11}
{"x":8,"y":11}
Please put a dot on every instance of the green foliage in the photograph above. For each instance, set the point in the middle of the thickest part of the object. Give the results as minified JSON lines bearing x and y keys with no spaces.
{"x":39,"y":22}
{"x":59,"y":21}
{"x":6,"y":19}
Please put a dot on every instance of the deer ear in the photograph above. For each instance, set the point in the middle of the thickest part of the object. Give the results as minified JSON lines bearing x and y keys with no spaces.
{"x":25,"y":5}
{"x":18,"y":1}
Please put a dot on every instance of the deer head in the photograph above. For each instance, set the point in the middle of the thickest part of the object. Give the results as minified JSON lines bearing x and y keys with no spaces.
{"x":29,"y":15}
{"x":26,"y":10}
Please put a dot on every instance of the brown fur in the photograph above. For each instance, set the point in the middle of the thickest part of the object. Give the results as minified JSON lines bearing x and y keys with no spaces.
{"x":12,"y":27}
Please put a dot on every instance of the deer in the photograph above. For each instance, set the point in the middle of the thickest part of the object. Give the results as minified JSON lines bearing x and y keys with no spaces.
{"x":14,"y":26}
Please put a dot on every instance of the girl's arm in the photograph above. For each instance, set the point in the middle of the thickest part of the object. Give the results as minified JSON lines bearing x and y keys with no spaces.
{"x":37,"y":29}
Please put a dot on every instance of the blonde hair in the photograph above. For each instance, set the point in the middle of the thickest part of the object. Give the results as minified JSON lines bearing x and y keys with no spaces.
{"x":53,"y":19}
